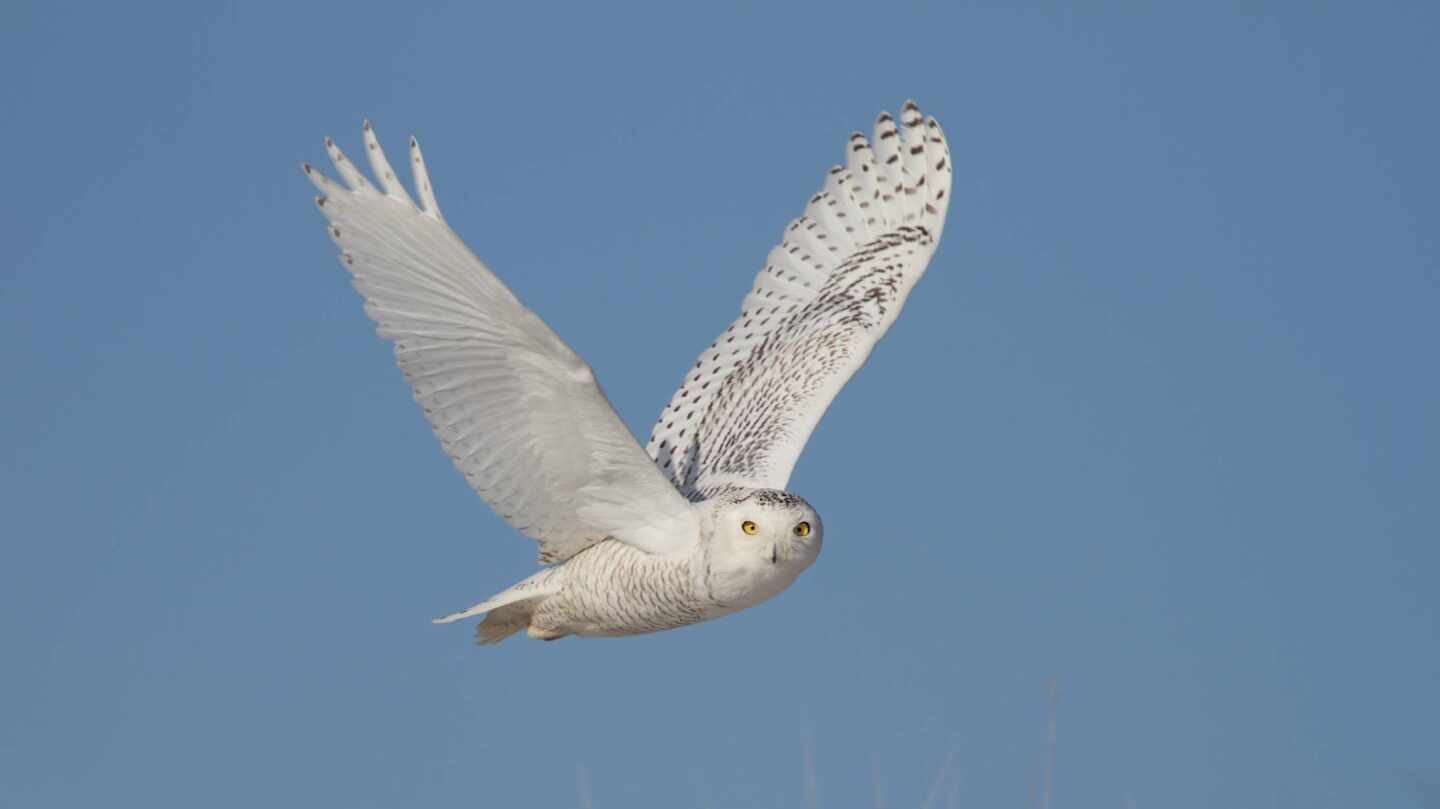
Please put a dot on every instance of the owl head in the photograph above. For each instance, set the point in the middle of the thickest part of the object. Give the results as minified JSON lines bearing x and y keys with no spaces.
{"x":760,"y":541}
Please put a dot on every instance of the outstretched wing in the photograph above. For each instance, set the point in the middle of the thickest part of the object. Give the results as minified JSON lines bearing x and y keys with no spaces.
{"x":827,"y":294}
{"x":519,"y":412}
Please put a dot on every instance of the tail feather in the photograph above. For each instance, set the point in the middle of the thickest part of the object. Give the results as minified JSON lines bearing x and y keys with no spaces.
{"x":506,"y":621}
{"x":479,"y":609}
{"x":509,"y":611}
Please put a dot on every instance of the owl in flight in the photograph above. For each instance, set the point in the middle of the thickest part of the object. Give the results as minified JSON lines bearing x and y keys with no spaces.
{"x":698,"y":524}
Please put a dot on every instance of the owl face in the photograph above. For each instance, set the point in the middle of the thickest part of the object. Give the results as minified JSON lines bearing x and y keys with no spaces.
{"x":761,"y":541}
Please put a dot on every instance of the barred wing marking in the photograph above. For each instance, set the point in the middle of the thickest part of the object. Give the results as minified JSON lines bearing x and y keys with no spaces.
{"x":518,"y":411}
{"x":827,"y":294}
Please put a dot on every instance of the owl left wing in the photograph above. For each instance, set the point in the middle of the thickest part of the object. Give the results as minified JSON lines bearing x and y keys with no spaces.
{"x":518,"y":411}
{"x":827,"y":294}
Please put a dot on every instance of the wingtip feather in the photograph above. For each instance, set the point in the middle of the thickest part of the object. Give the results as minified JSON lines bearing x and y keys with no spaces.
{"x":344,"y":167}
{"x":380,"y":165}
{"x":428,"y":202}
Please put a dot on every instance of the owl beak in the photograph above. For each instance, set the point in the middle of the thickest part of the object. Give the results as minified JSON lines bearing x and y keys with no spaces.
{"x":774,"y":554}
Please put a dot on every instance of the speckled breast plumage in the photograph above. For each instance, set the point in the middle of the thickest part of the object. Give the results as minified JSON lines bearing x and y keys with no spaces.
{"x":614,"y":589}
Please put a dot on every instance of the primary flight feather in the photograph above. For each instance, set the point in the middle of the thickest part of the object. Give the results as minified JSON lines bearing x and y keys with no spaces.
{"x":701,"y":526}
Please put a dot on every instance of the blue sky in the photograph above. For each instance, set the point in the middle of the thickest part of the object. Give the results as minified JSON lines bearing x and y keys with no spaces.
{"x":1160,"y":422}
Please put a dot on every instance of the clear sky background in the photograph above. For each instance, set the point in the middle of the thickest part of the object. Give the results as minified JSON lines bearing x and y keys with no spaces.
{"x":1160,"y":422}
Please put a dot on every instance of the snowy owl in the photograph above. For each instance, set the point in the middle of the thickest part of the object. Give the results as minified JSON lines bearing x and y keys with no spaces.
{"x":698,"y":524}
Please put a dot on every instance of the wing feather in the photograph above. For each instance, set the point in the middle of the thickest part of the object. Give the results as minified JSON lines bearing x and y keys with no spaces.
{"x":519,"y":412}
{"x":826,"y":295}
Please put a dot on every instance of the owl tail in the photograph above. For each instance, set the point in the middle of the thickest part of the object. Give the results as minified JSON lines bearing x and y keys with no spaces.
{"x":510,"y":611}
{"x":506,"y":621}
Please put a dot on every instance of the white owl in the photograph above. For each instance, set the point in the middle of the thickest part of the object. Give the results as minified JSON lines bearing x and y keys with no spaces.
{"x":702,"y":526}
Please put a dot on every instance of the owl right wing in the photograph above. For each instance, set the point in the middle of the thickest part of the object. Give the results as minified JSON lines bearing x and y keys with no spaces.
{"x":518,"y":411}
{"x":827,"y":294}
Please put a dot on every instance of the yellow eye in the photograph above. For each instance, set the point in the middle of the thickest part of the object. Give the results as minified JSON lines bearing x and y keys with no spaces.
{"x":750,"y":527}
{"x":802,"y":530}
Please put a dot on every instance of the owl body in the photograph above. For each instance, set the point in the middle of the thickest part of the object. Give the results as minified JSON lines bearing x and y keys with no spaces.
{"x":752,"y":545}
